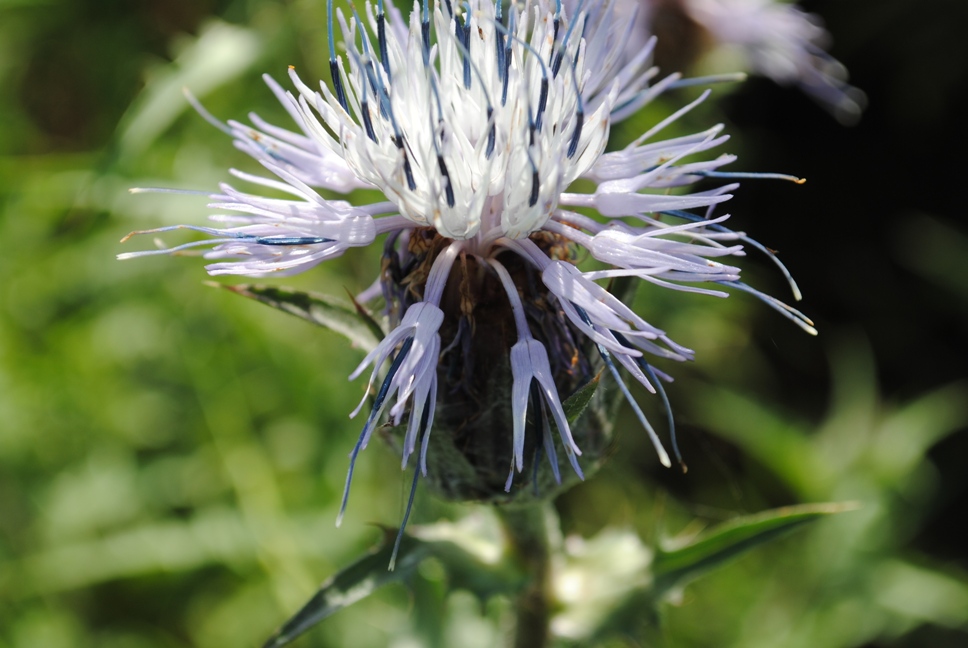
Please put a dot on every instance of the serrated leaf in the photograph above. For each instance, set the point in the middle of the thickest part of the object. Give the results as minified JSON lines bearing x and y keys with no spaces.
{"x":353,"y":584}
{"x":674,"y":568}
{"x":459,"y":553}
{"x":575,"y":404}
{"x":322,"y":310}
{"x":366,"y":317}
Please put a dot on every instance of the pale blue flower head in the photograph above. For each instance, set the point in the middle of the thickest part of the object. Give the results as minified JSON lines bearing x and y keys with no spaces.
{"x":474,"y":123}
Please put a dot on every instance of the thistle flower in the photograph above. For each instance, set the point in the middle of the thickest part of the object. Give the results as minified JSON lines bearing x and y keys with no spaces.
{"x":473,"y":124}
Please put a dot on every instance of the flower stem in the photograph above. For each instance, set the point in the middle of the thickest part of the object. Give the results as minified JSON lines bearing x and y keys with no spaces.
{"x":526,"y":528}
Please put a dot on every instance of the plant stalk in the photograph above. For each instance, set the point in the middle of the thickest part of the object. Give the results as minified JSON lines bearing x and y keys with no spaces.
{"x":526,"y":528}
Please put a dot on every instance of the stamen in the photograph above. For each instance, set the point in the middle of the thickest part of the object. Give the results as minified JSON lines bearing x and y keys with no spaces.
{"x":576,"y":134}
{"x":579,"y":17}
{"x":333,"y":66}
{"x":448,"y":185}
{"x":556,"y":24}
{"x":542,"y":101}
{"x":464,"y":48}
{"x":463,"y":35}
{"x":467,"y":56}
{"x":425,"y":32}
{"x":407,"y":171}
{"x":291,"y":240}
{"x":367,"y":124}
{"x":369,"y":71}
{"x":381,"y":35}
{"x":499,"y":48}
{"x":543,"y":93}
{"x":491,"y":133}
{"x":507,"y":55}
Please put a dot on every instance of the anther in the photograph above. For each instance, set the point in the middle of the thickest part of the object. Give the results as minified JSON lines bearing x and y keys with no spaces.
{"x":448,"y":185}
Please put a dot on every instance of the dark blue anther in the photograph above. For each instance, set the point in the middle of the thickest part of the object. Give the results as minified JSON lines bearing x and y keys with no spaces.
{"x":542,"y":102}
{"x":333,"y":66}
{"x":425,"y":33}
{"x":369,"y":71}
{"x":338,"y":84}
{"x":292,"y":240}
{"x":367,"y":123}
{"x":491,"y":134}
{"x":535,"y":188}
{"x":576,"y":135}
{"x":499,"y":45}
{"x":448,"y":186}
{"x":381,"y":35}
{"x":411,"y":183}
{"x":507,"y":59}
{"x":556,"y":65}
{"x":466,"y":42}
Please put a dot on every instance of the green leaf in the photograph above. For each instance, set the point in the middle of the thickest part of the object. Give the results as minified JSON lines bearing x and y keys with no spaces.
{"x":354,"y":324}
{"x":674,"y":568}
{"x":575,"y":404}
{"x":353,"y":584}
{"x":471,"y":560}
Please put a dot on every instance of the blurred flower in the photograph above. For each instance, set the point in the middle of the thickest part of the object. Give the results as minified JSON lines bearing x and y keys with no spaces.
{"x":773,"y":38}
{"x":474,"y":130}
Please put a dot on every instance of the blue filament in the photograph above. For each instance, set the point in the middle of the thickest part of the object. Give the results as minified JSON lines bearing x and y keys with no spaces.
{"x":333,"y":65}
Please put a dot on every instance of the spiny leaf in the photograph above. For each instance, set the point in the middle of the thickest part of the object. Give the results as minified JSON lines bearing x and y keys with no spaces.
{"x":456,"y":551}
{"x":726,"y":541}
{"x":319,"y":309}
{"x":575,"y":404}
{"x":353,"y":584}
{"x":366,"y":317}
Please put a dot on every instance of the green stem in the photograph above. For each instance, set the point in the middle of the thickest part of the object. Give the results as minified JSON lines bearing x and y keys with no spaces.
{"x":526,"y":529}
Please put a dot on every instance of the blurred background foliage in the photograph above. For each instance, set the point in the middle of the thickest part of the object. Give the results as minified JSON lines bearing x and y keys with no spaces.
{"x":171,"y":455}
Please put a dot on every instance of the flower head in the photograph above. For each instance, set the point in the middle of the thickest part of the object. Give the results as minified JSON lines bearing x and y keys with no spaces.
{"x":474,"y":124}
